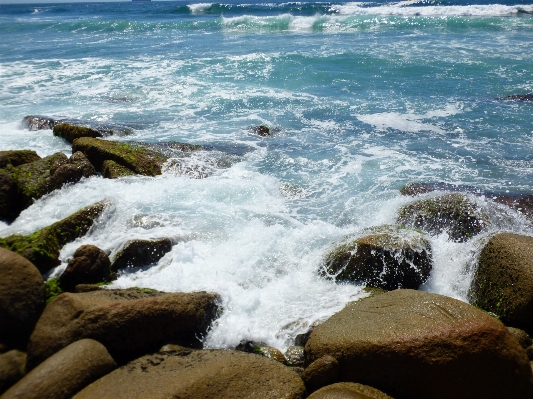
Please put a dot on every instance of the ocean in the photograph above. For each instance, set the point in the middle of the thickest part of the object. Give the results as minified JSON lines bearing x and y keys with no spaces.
{"x":362,"y":97}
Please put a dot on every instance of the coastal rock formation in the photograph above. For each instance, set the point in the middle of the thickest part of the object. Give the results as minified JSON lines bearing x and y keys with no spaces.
{"x":71,"y":132}
{"x":17,"y":157}
{"x":348,"y":390}
{"x":70,"y":128}
{"x":503,"y":281}
{"x":42,"y":247}
{"x":10,"y":206}
{"x":418,"y":345}
{"x":113,"y":170}
{"x":389,"y":257}
{"x":65,"y":373}
{"x":130,"y":323}
{"x":21,"y":298}
{"x":90,"y":265}
{"x":36,"y":122}
{"x":205,"y":374}
{"x":12,"y":365}
{"x":454,"y":214}
{"x":137,"y":253}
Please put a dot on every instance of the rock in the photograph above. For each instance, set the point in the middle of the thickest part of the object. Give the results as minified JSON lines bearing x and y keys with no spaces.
{"x":77,"y":167}
{"x":52,"y":288}
{"x":323,"y":371}
{"x":130,"y":323}
{"x":454,"y":214}
{"x":42,"y":247}
{"x":503,"y":281}
{"x":260,"y":348}
{"x":21,"y":298}
{"x":176,"y":349}
{"x":88,"y":288}
{"x":70,"y":132}
{"x":12,"y":365}
{"x":348,"y":390}
{"x":10,"y":206}
{"x":413,"y":189}
{"x":205,"y":374}
{"x":521,"y":336}
{"x":90,"y":265}
{"x":17,"y":157}
{"x":137,"y":253}
{"x":519,"y":97}
{"x":65,"y":373}
{"x":261,"y":130}
{"x":295,"y":356}
{"x":417,"y":345}
{"x":529,"y":352}
{"x":35,"y":122}
{"x":113,"y":170}
{"x":389,"y":258}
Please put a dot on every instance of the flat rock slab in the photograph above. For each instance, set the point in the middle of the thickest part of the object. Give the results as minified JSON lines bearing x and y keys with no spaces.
{"x":417,"y":345}
{"x":205,"y":374}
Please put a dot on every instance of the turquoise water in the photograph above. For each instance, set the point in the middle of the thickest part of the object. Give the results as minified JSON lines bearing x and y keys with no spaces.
{"x":366,"y":97}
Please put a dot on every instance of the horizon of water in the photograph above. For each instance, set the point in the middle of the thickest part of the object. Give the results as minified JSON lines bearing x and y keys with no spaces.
{"x":364,"y":97}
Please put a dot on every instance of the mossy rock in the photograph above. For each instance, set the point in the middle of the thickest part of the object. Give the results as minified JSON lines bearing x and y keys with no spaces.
{"x":113,"y":170}
{"x":137,"y":253}
{"x":454,"y":214}
{"x":42,"y":247}
{"x":10,"y":206}
{"x":17,"y":157}
{"x":71,"y":132}
{"x":388,"y":257}
{"x":52,"y":289}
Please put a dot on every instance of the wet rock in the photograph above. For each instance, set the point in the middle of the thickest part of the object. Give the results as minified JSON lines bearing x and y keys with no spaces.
{"x":454,"y":214}
{"x":42,"y":247}
{"x":141,"y":253}
{"x":35,"y":122}
{"x":348,"y":390}
{"x":21,"y":298}
{"x":176,"y":349}
{"x":413,"y":189}
{"x":295,"y":356}
{"x":12,"y":365}
{"x":503,"y":281}
{"x":88,"y":288}
{"x":521,"y":336}
{"x":518,"y":97}
{"x":389,"y":257}
{"x":10,"y":206}
{"x":17,"y":157}
{"x":205,"y":374}
{"x":77,"y":167}
{"x":65,"y":373}
{"x":323,"y":371}
{"x":261,"y":130}
{"x":260,"y":348}
{"x":113,"y":170}
{"x":70,"y":132}
{"x":419,"y":345}
{"x":90,"y":265}
{"x":130,"y":323}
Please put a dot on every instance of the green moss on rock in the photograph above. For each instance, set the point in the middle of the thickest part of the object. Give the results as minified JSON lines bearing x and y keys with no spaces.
{"x":52,"y":289}
{"x":17,"y":157}
{"x":71,"y":132}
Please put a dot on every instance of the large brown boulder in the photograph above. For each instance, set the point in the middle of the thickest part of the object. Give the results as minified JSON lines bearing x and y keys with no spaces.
{"x":17,"y":157}
{"x":348,"y":390}
{"x":503,"y":281}
{"x":130,"y":323}
{"x":205,"y":374}
{"x":387,"y":257}
{"x":90,"y":265}
{"x":65,"y":373}
{"x":12,"y":368}
{"x":417,"y":345}
{"x":137,"y":253}
{"x":21,"y":298}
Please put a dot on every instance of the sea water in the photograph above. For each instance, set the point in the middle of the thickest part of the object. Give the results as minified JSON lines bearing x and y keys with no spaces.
{"x":363,"y":97}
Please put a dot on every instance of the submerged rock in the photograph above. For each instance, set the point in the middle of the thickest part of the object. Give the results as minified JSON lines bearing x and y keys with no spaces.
{"x":65,"y":373}
{"x":261,"y":130}
{"x":503,"y":281}
{"x":454,"y":214}
{"x":42,"y":247}
{"x":389,"y":258}
{"x":205,"y":374}
{"x":137,"y":253}
{"x":17,"y":157}
{"x":21,"y":298}
{"x":417,"y":345}
{"x":130,"y":323}
{"x":71,"y":132}
{"x":90,"y":265}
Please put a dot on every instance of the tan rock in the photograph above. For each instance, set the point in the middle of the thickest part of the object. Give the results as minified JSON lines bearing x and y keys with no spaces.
{"x":12,"y":365}
{"x":348,"y":390}
{"x":321,"y":372}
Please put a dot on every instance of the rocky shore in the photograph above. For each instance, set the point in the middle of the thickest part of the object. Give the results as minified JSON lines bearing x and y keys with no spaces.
{"x":73,"y":337}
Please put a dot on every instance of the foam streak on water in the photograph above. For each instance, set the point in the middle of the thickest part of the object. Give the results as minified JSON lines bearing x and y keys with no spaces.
{"x":364,"y":98}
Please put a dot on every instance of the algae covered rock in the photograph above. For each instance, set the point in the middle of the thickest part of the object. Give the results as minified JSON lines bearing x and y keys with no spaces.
{"x":17,"y":157}
{"x":205,"y":374}
{"x":388,"y":257}
{"x":418,"y":345}
{"x":21,"y":298}
{"x":137,"y":253}
{"x":130,"y":323}
{"x":113,"y":170}
{"x":71,"y":132}
{"x":90,"y":265}
{"x":10,"y":206}
{"x":454,"y":214}
{"x":42,"y":247}
{"x":503,"y":281}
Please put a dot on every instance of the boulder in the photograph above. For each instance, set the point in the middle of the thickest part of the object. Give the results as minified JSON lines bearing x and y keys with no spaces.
{"x":90,"y":265}
{"x":77,"y":167}
{"x":65,"y":373}
{"x":10,"y":206}
{"x":17,"y":157}
{"x":42,"y":247}
{"x":348,"y":390}
{"x":323,"y":371}
{"x":12,"y":365}
{"x":70,"y":132}
{"x":130,"y":323}
{"x":205,"y":374}
{"x":454,"y":214}
{"x":137,"y":253}
{"x":21,"y":298}
{"x":262,"y":349}
{"x":503,"y":281}
{"x":35,"y":122}
{"x":389,"y":258}
{"x":113,"y":170}
{"x":418,"y":345}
